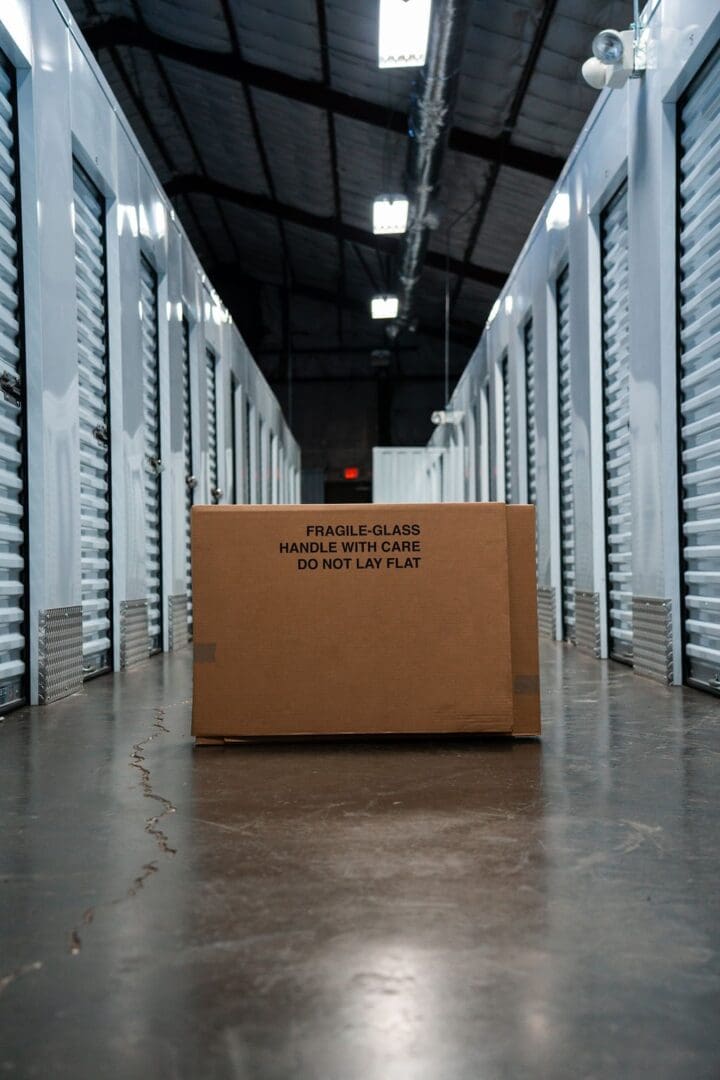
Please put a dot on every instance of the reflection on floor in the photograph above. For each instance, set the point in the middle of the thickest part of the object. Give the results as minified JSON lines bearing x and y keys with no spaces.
{"x":442,"y":909}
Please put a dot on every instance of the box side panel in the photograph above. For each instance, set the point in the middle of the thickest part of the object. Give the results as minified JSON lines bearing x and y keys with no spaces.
{"x":523,"y":620}
{"x":381,"y":642}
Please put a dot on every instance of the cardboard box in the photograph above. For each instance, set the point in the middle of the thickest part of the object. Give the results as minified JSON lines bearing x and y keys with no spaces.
{"x":364,"y":619}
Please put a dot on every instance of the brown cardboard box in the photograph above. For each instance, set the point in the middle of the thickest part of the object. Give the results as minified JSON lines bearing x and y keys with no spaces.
{"x":364,"y":619}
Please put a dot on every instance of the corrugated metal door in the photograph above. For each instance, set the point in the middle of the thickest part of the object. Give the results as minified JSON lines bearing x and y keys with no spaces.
{"x":151,"y":415}
{"x":699,"y":282}
{"x":260,"y":462}
{"x":190,"y":481}
{"x":616,"y":423}
{"x":565,"y":416}
{"x":529,"y":343}
{"x":212,"y":448}
{"x":249,"y":459}
{"x":12,"y":437}
{"x":507,"y":428}
{"x":491,"y":453}
{"x":89,"y":213}
{"x":236,"y":491}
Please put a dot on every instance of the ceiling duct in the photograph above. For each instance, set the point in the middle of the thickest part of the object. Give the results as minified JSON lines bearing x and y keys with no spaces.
{"x":430,"y":127}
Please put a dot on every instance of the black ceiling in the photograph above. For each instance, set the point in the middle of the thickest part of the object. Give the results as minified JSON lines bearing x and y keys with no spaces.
{"x":272,"y":128}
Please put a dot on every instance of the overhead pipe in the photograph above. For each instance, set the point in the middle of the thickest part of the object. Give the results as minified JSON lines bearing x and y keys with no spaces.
{"x":430,"y":128}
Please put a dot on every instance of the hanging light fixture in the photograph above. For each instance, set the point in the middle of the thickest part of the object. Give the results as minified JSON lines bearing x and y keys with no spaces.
{"x":403,"y":33}
{"x":384,"y":307}
{"x":390,"y":214}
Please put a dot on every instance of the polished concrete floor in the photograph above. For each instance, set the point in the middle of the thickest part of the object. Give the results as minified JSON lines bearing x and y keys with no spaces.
{"x":362,"y":911}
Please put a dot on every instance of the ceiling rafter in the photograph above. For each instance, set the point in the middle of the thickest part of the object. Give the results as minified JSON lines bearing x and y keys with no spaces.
{"x":528,"y":70}
{"x":202,"y":185}
{"x":121,"y":30}
{"x":255,"y":124}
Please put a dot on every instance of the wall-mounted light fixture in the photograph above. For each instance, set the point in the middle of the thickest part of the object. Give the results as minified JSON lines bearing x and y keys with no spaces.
{"x":403,"y":33}
{"x":618,"y":55}
{"x":384,"y":307}
{"x":390,"y":214}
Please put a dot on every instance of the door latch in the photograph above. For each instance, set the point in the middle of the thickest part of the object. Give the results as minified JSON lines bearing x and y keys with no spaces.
{"x":216,"y":493}
{"x":191,"y":482}
{"x":101,"y":434}
{"x":155,"y":464}
{"x":11,"y":388}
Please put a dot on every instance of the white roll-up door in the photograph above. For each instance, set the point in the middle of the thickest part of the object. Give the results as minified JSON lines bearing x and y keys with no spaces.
{"x":616,"y":424}
{"x":249,"y":455}
{"x":491,"y":445}
{"x":565,"y":425}
{"x":88,"y":216}
{"x":235,"y":452}
{"x":151,"y":416}
{"x":12,"y":438}
{"x":507,"y":427}
{"x":529,"y":343}
{"x":190,"y":481}
{"x":212,"y":427}
{"x":260,"y":462}
{"x":699,"y":287}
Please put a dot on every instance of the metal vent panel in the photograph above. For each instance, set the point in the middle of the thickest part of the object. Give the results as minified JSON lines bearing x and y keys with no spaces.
{"x":546,"y":611}
{"x":699,"y":300}
{"x":616,"y":424}
{"x":565,"y":428}
{"x":587,"y":622}
{"x":60,"y":653}
{"x":652,"y":637}
{"x":134,"y":638}
{"x":88,"y":217}
{"x":177,"y":621}
{"x":12,"y":438}
{"x":151,"y":417}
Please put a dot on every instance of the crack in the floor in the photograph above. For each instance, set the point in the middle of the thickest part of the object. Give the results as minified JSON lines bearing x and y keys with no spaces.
{"x":152,"y":826}
{"x":24,"y":969}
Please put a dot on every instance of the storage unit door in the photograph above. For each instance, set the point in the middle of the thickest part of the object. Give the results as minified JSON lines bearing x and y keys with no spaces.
{"x":188,"y":460}
{"x":699,"y":287}
{"x":12,"y":440}
{"x":151,"y":415}
{"x":491,"y":454}
{"x":248,"y":455}
{"x":212,"y":448}
{"x":94,"y":425}
{"x":529,"y":342}
{"x":567,"y":520}
{"x":507,"y":431}
{"x":616,"y":424}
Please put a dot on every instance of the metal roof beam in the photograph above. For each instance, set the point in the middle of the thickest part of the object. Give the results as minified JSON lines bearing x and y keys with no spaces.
{"x":201,"y":185}
{"x":121,"y":30}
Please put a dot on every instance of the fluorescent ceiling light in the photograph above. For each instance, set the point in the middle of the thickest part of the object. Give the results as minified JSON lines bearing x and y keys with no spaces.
{"x":403,"y":33}
{"x":390,"y":214}
{"x":384,"y":307}
{"x":508,"y":305}
{"x":558,"y":215}
{"x":494,"y":310}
